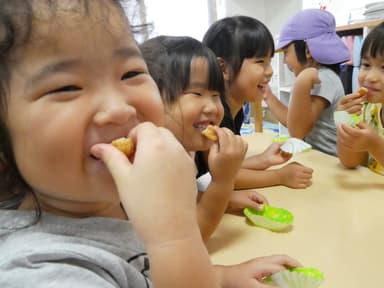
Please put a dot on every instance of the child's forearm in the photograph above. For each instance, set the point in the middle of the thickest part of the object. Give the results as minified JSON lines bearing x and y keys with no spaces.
{"x":299,"y":111}
{"x":349,"y":158}
{"x":248,"y":179}
{"x":212,"y":206}
{"x":182,"y":263}
{"x":304,"y":109}
{"x":278,"y":109}
{"x":256,"y":162}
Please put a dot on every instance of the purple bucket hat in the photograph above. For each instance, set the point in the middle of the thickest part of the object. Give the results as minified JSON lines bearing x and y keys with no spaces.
{"x":318,"y":29}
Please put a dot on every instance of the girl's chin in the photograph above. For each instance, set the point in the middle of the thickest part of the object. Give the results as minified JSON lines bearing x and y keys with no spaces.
{"x":204,"y":146}
{"x":375,"y":99}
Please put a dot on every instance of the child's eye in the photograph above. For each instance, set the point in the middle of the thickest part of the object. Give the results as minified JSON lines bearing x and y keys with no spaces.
{"x":365,"y":65}
{"x":130,"y":74}
{"x":68,"y":88}
{"x":193,"y":92}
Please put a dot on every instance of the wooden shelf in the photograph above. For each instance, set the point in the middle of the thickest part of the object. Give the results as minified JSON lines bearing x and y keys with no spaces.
{"x":356,"y":28}
{"x":359,"y":25}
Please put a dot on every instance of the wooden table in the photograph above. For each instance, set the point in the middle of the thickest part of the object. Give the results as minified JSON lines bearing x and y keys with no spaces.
{"x":338,"y":226}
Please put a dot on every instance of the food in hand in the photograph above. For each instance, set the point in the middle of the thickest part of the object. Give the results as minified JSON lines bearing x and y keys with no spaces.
{"x":272,"y":218}
{"x":210,"y":133}
{"x":362,"y":91}
{"x":125,"y":145}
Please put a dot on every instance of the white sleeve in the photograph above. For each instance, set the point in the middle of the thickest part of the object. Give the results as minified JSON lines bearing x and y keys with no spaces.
{"x":203,"y":182}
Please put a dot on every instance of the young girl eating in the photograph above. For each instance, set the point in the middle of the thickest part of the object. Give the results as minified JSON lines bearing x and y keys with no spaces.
{"x":191,"y":84}
{"x":363,"y":144}
{"x":84,"y":214}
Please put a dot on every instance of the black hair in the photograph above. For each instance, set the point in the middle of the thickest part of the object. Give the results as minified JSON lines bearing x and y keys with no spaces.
{"x":300,"y":49}
{"x":18,"y":20}
{"x":237,"y":38}
{"x":373,"y":44}
{"x":169,"y":60}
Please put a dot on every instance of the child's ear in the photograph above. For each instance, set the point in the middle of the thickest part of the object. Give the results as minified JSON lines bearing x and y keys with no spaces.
{"x":307,"y":53}
{"x":224,"y":68}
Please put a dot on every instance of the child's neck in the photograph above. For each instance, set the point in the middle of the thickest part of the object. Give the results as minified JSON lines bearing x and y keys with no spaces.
{"x":76,"y":210}
{"x":234,"y":105}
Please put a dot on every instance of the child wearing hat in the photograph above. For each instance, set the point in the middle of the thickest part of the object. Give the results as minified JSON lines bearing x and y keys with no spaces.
{"x":313,"y":52}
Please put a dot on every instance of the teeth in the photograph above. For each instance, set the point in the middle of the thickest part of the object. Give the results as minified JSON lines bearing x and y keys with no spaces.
{"x":200,"y":127}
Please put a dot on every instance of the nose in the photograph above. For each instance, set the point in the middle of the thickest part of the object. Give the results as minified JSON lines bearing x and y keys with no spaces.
{"x":268,"y":72}
{"x":113,"y":110}
{"x":210,"y":105}
{"x":372,"y":75}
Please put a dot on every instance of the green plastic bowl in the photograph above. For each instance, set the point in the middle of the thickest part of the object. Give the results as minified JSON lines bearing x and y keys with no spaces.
{"x":296,"y":277}
{"x":280,"y":139}
{"x":272,"y":218}
{"x":309,"y":272}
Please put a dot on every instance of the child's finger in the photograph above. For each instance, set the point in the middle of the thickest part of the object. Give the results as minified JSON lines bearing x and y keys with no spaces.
{"x":362,"y":125}
{"x":254,"y":205}
{"x":283,"y":260}
{"x":115,"y":160}
{"x":259,"y":198}
{"x":261,"y":285}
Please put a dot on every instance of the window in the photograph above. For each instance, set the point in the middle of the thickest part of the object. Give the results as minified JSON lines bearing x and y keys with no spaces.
{"x":180,"y":17}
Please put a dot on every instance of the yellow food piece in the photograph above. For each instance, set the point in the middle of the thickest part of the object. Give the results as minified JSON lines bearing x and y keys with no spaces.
{"x":125,"y":145}
{"x":362,"y":91}
{"x":210,"y":133}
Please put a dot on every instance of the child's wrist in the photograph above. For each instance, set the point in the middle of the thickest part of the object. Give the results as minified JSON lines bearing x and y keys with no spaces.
{"x":280,"y":176}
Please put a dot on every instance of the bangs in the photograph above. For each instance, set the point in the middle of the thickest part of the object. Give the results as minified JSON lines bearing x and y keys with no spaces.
{"x":255,"y":43}
{"x":373,"y":45}
{"x":181,"y":59}
{"x":215,"y":75}
{"x":237,"y":38}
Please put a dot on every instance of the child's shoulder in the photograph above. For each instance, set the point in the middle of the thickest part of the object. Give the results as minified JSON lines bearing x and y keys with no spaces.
{"x":11,"y":220}
{"x":118,"y":233}
{"x":92,"y":250}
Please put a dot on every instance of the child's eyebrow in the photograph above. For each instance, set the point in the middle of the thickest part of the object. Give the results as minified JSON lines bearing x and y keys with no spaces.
{"x":66,"y":65}
{"x":50,"y":69}
{"x":127,"y":52}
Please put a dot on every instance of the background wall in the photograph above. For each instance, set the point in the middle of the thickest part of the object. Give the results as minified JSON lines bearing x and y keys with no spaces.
{"x":275,"y":12}
{"x":278,"y":11}
{"x":187,"y":17}
{"x":339,"y":8}
{"x":178,"y":18}
{"x":241,"y":7}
